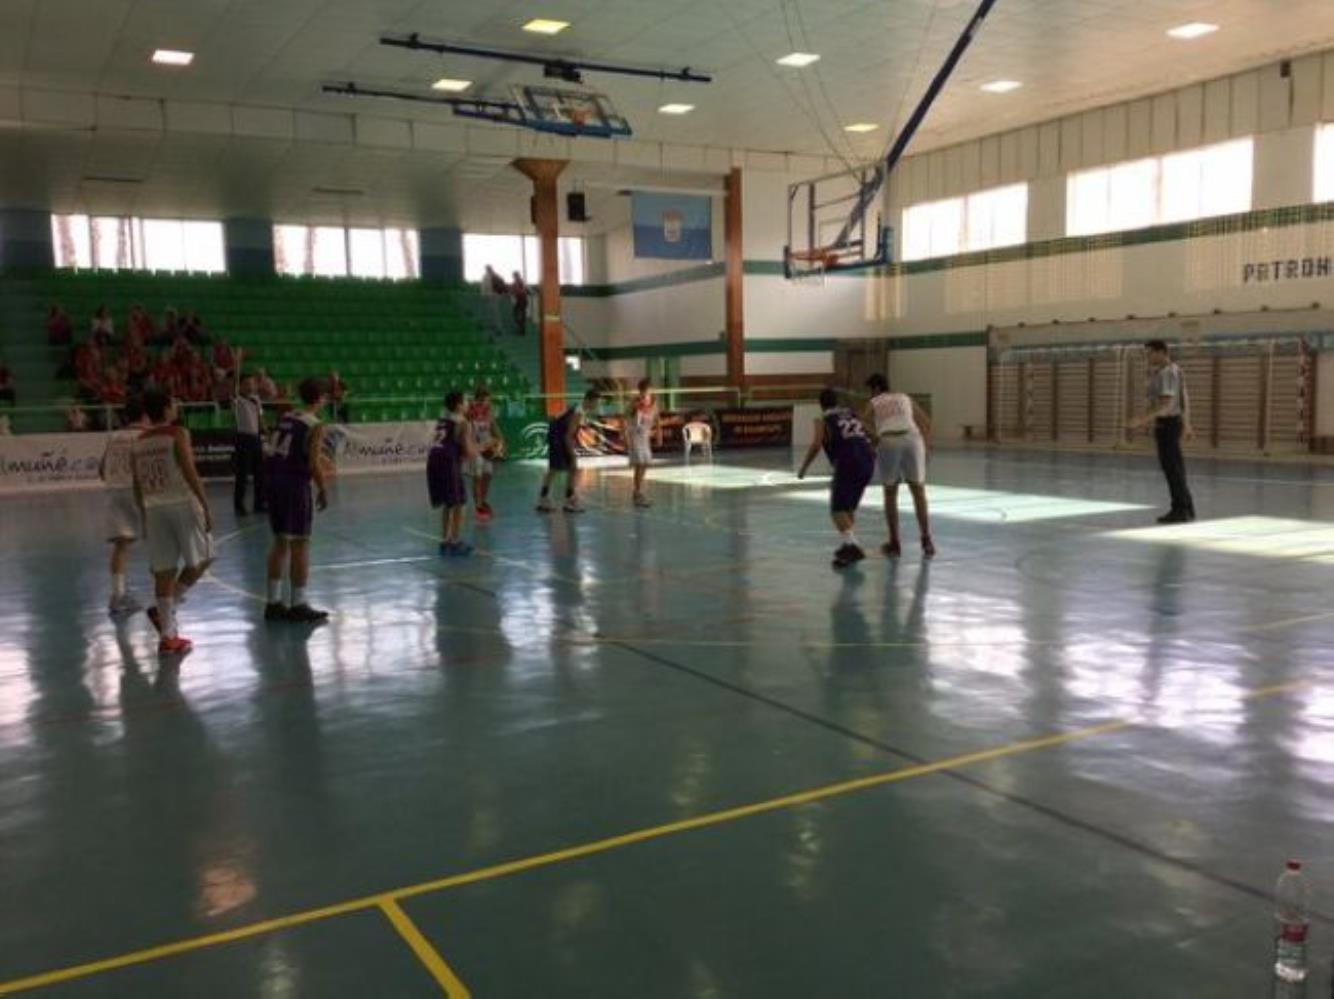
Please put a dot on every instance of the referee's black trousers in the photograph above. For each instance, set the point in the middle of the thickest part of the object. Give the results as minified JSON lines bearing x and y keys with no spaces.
{"x":249,"y":455}
{"x":1167,"y":432}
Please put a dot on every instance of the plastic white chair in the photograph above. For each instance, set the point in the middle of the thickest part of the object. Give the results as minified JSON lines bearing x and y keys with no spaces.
{"x":698,"y":434}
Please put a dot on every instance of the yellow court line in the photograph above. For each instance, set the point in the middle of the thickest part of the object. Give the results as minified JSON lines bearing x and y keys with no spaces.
{"x":1289,"y":622}
{"x":512,"y":867}
{"x":546,"y":859}
{"x":428,"y":955}
{"x":150,"y":954}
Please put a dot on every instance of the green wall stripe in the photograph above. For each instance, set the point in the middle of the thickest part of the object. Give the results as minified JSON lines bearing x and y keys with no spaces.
{"x":1224,"y":225}
{"x":938,"y":341}
{"x":780,"y":345}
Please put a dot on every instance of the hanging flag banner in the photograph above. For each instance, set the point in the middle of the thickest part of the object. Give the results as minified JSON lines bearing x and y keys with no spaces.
{"x":672,"y":226}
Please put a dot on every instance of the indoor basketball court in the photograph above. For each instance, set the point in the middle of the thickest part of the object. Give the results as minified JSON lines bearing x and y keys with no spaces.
{"x":683,"y":710}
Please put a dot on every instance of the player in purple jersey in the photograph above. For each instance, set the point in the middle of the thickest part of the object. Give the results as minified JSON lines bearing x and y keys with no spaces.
{"x":563,"y":454}
{"x":295,"y":462}
{"x":845,"y":442}
{"x":452,"y":448}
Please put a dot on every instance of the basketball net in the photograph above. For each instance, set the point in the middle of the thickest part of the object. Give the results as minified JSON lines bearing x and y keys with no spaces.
{"x":807,"y":267}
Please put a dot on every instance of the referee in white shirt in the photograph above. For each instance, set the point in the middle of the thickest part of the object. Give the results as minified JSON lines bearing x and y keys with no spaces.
{"x":248,"y":448}
{"x":1169,"y":412}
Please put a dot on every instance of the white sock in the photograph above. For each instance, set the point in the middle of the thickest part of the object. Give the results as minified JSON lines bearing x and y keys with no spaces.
{"x":848,"y":537}
{"x":276,"y":590}
{"x":117,"y":585}
{"x":166,"y":608}
{"x":298,"y":596}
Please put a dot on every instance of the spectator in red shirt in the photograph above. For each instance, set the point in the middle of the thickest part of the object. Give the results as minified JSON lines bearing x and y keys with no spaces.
{"x":113,"y":390}
{"x":6,"y":383}
{"x":140,"y":325}
{"x":59,"y":329}
{"x":201,"y":382}
{"x":88,"y":369}
{"x":224,"y":358}
{"x":181,"y":351}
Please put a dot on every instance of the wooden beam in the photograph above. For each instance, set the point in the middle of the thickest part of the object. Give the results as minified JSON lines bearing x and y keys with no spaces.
{"x":546,"y":216}
{"x":734,"y":283}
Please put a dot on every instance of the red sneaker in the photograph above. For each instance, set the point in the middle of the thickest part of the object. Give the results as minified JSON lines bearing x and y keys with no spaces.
{"x":483,"y":514}
{"x":174,"y":646}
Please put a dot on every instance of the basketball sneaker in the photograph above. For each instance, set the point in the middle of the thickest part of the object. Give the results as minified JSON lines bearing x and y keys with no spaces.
{"x":484,"y":514}
{"x":928,"y":547}
{"x":572,"y":505}
{"x":891,"y":549}
{"x":177,"y":646}
{"x":642,"y":501}
{"x":306,"y":614}
{"x":546,"y":505}
{"x":275,"y":612}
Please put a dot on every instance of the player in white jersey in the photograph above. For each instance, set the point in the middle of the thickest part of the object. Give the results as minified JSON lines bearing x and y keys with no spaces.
{"x":124,"y":521}
{"x":643,"y":428}
{"x":902,"y":431}
{"x":489,"y":444}
{"x":177,"y":520}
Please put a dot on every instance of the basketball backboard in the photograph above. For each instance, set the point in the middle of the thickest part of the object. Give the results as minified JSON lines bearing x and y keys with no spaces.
{"x":836,"y":223}
{"x":570,"y":112}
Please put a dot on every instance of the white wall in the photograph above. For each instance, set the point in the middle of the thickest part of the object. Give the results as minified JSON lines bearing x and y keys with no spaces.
{"x":956,"y":380}
{"x":844,"y":306}
{"x":1189,"y":277}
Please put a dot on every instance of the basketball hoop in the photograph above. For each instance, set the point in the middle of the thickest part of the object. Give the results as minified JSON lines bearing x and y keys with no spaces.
{"x":808,"y":267}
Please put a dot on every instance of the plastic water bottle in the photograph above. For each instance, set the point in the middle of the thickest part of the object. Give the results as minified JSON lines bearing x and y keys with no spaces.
{"x":1290,"y":915}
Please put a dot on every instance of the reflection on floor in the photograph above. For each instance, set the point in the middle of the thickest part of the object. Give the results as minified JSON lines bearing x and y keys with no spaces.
{"x":672,"y":753}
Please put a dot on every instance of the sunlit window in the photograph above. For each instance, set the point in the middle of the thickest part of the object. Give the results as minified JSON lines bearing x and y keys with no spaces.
{"x":127,"y":243}
{"x":1324,"y":163}
{"x":332,"y":251}
{"x":982,"y":221}
{"x":508,"y":254}
{"x":1196,"y":184}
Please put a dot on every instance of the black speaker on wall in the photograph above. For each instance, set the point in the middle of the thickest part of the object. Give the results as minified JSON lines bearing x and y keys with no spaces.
{"x":576,"y":206}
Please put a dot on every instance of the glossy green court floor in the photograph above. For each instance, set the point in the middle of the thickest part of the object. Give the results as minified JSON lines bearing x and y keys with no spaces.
{"x":673,"y":754}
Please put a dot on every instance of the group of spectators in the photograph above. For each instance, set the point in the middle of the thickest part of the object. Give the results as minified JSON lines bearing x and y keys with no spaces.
{"x":495,"y":287}
{"x":178,"y":355}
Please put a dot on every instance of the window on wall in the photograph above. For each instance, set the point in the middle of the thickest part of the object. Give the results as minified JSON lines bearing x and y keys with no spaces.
{"x":982,"y":221}
{"x":128,"y":243}
{"x":507,"y":254}
{"x":332,"y":251}
{"x":1196,"y":184}
{"x":1324,"y":163}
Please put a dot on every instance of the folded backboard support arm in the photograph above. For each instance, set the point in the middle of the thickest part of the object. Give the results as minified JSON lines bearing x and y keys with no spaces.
{"x":874,"y":184}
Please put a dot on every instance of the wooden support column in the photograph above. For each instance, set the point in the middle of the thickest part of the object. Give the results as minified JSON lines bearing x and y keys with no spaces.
{"x":546,"y":216}
{"x":734,"y":284}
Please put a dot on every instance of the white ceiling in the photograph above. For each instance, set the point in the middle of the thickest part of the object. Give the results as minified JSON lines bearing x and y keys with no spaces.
{"x":877,"y":57}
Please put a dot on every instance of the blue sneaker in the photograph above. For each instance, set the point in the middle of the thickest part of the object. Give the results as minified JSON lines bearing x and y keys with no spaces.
{"x":446,"y":548}
{"x":463,"y":549}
